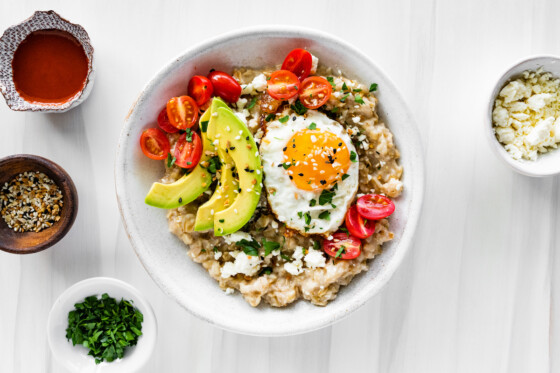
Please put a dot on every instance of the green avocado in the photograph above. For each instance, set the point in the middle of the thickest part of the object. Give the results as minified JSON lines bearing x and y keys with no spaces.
{"x":232,"y":134}
{"x":192,"y":185}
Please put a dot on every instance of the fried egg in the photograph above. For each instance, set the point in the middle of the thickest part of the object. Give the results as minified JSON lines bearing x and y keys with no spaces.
{"x":311,"y":172}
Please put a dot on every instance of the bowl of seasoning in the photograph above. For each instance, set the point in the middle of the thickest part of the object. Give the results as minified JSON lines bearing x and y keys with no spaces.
{"x":38,"y":203}
{"x":102,"y":324}
{"x":46,"y":64}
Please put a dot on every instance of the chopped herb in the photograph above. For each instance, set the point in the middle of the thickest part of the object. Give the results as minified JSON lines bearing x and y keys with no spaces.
{"x":330,"y":79}
{"x":300,"y":214}
{"x":345,"y":230}
{"x":189,"y":163}
{"x":358,"y":99}
{"x":344,"y":87}
{"x":270,"y":246}
{"x":312,"y":126}
{"x":298,"y":108}
{"x":214,"y":164}
{"x":252,"y":103}
{"x":170,"y":160}
{"x":203,"y":250}
{"x":325,"y":215}
{"x":343,"y":99}
{"x":373,"y":87}
{"x":313,"y":202}
{"x":203,"y":125}
{"x":334,"y":110}
{"x":307,"y":217}
{"x":285,"y":257}
{"x":284,"y":119}
{"x":249,"y":247}
{"x":353,"y":156}
{"x":105,"y":326}
{"x":316,"y":245}
{"x":356,"y":90}
{"x":286,"y":165}
{"x":215,"y":249}
{"x":340,"y":251}
{"x":269,"y":117}
{"x":265,"y":271}
{"x":326,"y":197}
{"x":222,"y":220}
{"x":345,"y":176}
{"x":188,"y":136}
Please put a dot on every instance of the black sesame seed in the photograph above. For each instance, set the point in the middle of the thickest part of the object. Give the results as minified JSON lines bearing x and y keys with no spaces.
{"x":300,"y":174}
{"x":323,"y":182}
{"x":180,"y":200}
{"x":291,"y":178}
{"x":285,"y":148}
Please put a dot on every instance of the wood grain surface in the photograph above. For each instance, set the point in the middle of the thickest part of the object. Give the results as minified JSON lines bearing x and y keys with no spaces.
{"x":480,"y":290}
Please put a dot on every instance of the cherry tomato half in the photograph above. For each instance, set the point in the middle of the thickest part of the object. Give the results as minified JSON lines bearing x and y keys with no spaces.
{"x":225,"y":86}
{"x":163,"y":122}
{"x":200,"y":88}
{"x":343,"y":246}
{"x":182,"y":112}
{"x":187,"y":153}
{"x":283,"y":85}
{"x":299,"y":62}
{"x":375,"y":206}
{"x":315,"y":92}
{"x":357,"y":225}
{"x":154,"y":144}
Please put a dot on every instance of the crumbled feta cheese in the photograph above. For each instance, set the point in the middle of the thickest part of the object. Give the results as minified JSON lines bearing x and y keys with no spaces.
{"x":314,"y":64}
{"x":315,"y":259}
{"x":229,"y":291}
{"x":247,"y":265}
{"x":237,"y":236}
{"x":259,"y":83}
{"x":241,"y":103}
{"x":537,"y":102}
{"x":540,"y":132}
{"x":356,"y":119}
{"x":295,"y":267}
{"x":217,"y":255}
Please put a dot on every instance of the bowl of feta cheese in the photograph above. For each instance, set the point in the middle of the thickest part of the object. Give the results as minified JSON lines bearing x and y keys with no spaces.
{"x":523,"y":116}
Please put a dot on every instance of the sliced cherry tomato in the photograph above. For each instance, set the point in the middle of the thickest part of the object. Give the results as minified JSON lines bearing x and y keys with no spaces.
{"x":163,"y":122}
{"x":375,"y":206}
{"x":283,"y":85}
{"x":357,"y":225}
{"x":187,"y":153}
{"x":201,"y":89}
{"x":343,"y":246}
{"x":299,"y":62}
{"x":154,"y":143}
{"x":225,"y":86}
{"x":182,"y":112}
{"x":315,"y":92}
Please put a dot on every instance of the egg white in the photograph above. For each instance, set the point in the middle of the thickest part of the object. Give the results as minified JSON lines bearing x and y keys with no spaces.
{"x":289,"y":202}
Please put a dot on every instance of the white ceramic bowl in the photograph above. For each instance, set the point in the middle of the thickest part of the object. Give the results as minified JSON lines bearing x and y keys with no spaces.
{"x":546,"y":164}
{"x":75,"y":358}
{"x":164,"y":256}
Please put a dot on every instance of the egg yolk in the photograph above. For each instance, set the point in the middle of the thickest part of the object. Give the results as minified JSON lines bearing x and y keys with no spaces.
{"x":315,"y":159}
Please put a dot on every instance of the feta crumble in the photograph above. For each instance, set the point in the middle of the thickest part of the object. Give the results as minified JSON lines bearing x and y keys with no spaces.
{"x":247,"y":265}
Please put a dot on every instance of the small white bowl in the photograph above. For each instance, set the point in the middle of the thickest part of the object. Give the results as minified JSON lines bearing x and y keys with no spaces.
{"x":75,"y":358}
{"x":547,"y":164}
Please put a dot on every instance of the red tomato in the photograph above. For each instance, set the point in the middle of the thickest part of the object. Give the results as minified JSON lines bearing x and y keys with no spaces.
{"x":201,"y":89}
{"x":187,"y":153}
{"x":163,"y":122}
{"x":225,"y":86}
{"x":154,"y":144}
{"x":357,"y":225}
{"x":315,"y":92}
{"x":299,"y":62}
{"x":182,"y":112}
{"x":375,"y":206}
{"x":283,"y":85}
{"x":343,"y":246}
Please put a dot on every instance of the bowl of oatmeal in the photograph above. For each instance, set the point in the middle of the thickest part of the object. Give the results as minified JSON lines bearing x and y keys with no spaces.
{"x":523,"y":116}
{"x":278,"y":256}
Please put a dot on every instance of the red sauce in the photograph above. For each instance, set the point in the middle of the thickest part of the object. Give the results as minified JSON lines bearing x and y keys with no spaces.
{"x":49,"y":66}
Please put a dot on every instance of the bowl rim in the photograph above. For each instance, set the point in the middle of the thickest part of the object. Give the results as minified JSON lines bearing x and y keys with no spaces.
{"x":173,"y":290}
{"x":95,"y":283}
{"x":7,"y":83}
{"x":68,"y":184}
{"x":497,"y":147}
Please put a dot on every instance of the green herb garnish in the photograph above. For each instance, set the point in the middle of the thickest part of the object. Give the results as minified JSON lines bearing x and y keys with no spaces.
{"x":344,"y":87}
{"x":252,"y":103}
{"x":284,"y":119}
{"x":326,"y":197}
{"x":286,"y":165}
{"x":307,"y":217}
{"x":312,"y":126}
{"x":353,"y":156}
{"x":269,"y":117}
{"x":249,"y":247}
{"x":330,"y":79}
{"x":214,"y":164}
{"x":204,"y":125}
{"x":298,"y":107}
{"x":316,"y":245}
{"x":373,"y":87}
{"x":170,"y":160}
{"x":188,"y":133}
{"x":270,"y":246}
{"x":345,"y":176}
{"x":105,"y":326}
{"x":343,"y":98}
{"x":358,"y":99}
{"x":340,"y":251}
{"x":325,"y":215}
{"x":313,"y":202}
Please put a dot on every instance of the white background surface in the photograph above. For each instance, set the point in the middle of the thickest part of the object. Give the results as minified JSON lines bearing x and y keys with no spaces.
{"x":480,"y":291}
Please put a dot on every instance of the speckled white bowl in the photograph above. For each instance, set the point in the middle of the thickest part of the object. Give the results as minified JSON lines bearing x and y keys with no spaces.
{"x":164,"y":256}
{"x":75,"y":358}
{"x":547,"y":164}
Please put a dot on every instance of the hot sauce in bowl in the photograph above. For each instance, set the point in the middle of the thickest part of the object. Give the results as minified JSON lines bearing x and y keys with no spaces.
{"x":49,"y":66}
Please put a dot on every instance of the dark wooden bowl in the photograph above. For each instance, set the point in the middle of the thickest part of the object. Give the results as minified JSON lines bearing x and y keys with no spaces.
{"x":32,"y":242}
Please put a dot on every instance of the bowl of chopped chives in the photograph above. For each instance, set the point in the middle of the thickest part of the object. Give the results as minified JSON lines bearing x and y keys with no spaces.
{"x":102,"y":325}
{"x":38,"y":203}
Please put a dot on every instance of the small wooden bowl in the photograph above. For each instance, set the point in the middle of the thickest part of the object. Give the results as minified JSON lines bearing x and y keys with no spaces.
{"x":32,"y":242}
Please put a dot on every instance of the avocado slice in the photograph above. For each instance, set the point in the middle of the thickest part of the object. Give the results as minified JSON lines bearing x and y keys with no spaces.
{"x":233,"y":134}
{"x":223,"y":196}
{"x":192,"y":185}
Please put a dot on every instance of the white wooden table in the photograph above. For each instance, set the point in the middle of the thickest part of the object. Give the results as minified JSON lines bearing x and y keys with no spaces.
{"x":480,"y":291}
